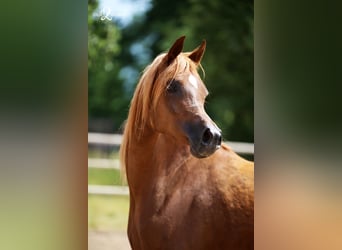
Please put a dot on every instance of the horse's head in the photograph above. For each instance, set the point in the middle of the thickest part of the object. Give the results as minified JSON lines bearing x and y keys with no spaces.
{"x":179,"y":108}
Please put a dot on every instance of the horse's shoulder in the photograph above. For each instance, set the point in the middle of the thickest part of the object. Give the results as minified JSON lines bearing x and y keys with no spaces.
{"x":228,"y":161}
{"x":233,"y":177}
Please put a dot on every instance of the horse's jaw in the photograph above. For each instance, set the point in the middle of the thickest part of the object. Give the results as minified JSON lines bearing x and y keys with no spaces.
{"x":200,"y":153}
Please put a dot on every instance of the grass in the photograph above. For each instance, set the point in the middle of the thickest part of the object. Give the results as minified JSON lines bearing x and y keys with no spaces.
{"x":110,"y":154}
{"x":107,"y":212}
{"x":98,"y":176}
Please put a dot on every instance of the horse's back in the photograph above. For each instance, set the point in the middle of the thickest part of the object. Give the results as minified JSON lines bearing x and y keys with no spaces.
{"x":234,"y":180}
{"x":231,"y":180}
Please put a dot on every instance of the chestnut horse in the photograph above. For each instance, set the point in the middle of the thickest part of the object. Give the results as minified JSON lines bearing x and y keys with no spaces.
{"x":187,"y":190}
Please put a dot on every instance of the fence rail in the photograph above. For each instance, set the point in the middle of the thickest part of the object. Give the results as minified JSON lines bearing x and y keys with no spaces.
{"x":108,"y":190}
{"x":115,"y":140}
{"x":103,"y":163}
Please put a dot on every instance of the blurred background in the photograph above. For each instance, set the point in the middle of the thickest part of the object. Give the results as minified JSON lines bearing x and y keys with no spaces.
{"x":120,"y":48}
{"x":46,"y":47}
{"x":123,"y":38}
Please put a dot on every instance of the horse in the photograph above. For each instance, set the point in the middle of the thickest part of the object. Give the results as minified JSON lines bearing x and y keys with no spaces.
{"x":188,"y":190}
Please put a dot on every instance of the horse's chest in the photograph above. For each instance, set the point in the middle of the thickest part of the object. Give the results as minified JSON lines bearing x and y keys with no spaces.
{"x":177,"y":215}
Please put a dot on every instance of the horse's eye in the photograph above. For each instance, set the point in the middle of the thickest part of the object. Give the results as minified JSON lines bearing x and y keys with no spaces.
{"x":173,"y":86}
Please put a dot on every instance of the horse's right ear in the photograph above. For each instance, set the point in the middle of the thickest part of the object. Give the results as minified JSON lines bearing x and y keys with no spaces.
{"x":197,"y":54}
{"x":175,"y":50}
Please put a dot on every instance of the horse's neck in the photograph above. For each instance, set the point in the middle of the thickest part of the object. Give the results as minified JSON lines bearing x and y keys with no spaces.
{"x":139,"y":157}
{"x":150,"y":158}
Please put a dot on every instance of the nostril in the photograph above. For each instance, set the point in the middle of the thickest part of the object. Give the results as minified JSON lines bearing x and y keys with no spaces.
{"x":207,"y":136}
{"x":219,"y":140}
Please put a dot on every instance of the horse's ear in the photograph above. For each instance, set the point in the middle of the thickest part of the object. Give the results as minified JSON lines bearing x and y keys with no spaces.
{"x":175,"y":50}
{"x":197,"y":54}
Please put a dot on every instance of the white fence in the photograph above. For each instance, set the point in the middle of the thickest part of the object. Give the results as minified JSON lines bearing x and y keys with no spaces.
{"x":108,"y":190}
{"x":115,"y":140}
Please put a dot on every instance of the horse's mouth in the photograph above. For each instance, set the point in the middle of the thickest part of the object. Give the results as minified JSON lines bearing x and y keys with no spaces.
{"x":203,"y":151}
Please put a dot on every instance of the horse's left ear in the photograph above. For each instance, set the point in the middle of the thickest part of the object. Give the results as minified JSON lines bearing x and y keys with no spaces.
{"x":197,"y":54}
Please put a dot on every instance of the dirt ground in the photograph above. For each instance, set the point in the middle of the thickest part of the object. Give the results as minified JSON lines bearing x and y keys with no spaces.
{"x":108,"y":240}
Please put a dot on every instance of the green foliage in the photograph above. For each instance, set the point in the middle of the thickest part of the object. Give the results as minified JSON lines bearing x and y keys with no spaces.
{"x":228,"y":62}
{"x":104,"y":86}
{"x":228,"y":28}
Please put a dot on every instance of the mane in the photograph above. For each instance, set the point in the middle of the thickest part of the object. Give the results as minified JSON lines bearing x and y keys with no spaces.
{"x":150,"y":87}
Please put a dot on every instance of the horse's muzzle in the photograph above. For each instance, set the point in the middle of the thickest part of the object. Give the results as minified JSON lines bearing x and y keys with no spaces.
{"x":205,"y":141}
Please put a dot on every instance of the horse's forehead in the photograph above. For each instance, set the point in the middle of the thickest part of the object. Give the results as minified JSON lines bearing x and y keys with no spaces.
{"x":193,"y":81}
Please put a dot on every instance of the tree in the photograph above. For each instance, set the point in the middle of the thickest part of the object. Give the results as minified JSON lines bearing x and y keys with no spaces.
{"x":105,"y":88}
{"x":228,"y":28}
